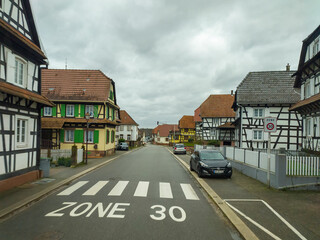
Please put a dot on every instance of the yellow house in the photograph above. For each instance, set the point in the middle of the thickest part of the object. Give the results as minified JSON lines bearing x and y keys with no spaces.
{"x":187,"y":128}
{"x":78,"y":93}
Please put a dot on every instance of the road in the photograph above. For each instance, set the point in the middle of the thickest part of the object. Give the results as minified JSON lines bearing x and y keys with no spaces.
{"x":146,"y":194}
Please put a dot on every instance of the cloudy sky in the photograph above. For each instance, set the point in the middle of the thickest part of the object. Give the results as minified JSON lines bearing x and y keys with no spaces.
{"x":167,"y":56}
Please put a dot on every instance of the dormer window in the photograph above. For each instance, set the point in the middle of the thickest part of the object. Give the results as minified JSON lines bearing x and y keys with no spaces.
{"x":70,"y":111}
{"x":19,"y":72}
{"x":89,"y":109}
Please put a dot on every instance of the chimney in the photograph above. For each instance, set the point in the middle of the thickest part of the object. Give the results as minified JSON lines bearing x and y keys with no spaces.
{"x":231,"y":92}
{"x":288,"y":67}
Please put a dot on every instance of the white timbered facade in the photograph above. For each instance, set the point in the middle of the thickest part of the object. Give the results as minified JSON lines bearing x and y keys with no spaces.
{"x":20,"y":101}
{"x":308,"y":79}
{"x":267,"y":94}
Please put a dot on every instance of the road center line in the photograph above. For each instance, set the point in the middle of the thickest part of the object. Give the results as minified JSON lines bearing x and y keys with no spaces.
{"x":142,"y":189}
{"x":189,"y":192}
{"x":118,"y":188}
{"x":73,"y":188}
{"x":95,"y":188}
{"x":165,"y":190}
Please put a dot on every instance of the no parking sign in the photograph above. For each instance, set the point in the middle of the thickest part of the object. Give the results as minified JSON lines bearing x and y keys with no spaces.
{"x":270,"y":124}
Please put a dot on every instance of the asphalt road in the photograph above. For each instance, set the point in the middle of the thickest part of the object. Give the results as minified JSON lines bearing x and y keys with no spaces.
{"x":143,"y":195}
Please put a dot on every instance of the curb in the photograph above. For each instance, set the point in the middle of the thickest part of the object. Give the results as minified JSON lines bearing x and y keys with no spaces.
{"x":242,"y":228}
{"x":35,"y":197}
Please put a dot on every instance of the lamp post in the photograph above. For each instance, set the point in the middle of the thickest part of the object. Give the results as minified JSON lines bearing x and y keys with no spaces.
{"x":87,"y":116}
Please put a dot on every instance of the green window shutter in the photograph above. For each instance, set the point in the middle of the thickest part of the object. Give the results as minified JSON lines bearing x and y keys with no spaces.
{"x":108,"y":112}
{"x":112,"y":136}
{"x":108,"y":136}
{"x":82,"y":109}
{"x":95,"y":110}
{"x":61,"y":135}
{"x":112,"y":114}
{"x":63,"y":110}
{"x":78,"y":136}
{"x":41,"y":112}
{"x":76,"y":110}
{"x":54,"y":111}
{"x":96,"y":136}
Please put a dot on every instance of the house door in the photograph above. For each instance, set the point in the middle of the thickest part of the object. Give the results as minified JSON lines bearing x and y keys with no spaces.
{"x":46,"y":140}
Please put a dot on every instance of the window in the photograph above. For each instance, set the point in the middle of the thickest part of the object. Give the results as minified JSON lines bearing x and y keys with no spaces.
{"x":258,"y":112}
{"x":128,"y":137}
{"x":112,"y":136}
{"x":18,"y":72}
{"x":90,"y":136}
{"x":257,"y":135}
{"x":121,"y":128}
{"x":121,"y":136}
{"x":307,"y":89}
{"x":108,"y":136}
{"x":70,"y":110}
{"x":89,"y":109}
{"x":213,"y":132}
{"x":128,"y":128}
{"x":21,"y":131}
{"x":317,"y":84}
{"x":315,"y":48}
{"x":69,"y":135}
{"x":308,"y":127}
{"x":47,"y":111}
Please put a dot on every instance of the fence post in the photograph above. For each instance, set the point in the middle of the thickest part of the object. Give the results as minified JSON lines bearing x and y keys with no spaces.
{"x":280,"y":171}
{"x":259,"y":152}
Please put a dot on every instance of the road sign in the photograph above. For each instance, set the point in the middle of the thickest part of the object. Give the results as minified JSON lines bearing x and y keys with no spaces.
{"x":270,"y":124}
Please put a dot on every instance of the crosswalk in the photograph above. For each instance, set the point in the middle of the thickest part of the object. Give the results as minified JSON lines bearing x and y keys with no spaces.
{"x":118,"y":188}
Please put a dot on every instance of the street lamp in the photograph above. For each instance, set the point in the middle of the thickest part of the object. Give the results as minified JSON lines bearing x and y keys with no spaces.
{"x":87,"y":116}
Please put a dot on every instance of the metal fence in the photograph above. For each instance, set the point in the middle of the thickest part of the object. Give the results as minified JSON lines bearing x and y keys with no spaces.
{"x":302,"y":166}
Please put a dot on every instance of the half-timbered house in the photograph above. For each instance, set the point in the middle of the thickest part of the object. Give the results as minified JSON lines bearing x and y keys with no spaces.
{"x":307,"y":78}
{"x":77,"y":93}
{"x":198,"y":124}
{"x":267,"y":94}
{"x":21,"y":57}
{"x":186,"y":128}
{"x":127,"y":129}
{"x":217,"y":115}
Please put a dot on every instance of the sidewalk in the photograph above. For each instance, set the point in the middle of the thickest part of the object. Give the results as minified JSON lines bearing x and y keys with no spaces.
{"x":18,"y":197}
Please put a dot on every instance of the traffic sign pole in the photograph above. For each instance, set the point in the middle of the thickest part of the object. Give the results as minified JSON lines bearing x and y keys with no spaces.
{"x":270,"y":125}
{"x":269,"y":156}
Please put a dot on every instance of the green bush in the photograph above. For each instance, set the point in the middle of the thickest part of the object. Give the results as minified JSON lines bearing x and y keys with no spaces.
{"x":121,"y":140}
{"x":190,"y":140}
{"x":214,"y":143}
{"x":62,"y":161}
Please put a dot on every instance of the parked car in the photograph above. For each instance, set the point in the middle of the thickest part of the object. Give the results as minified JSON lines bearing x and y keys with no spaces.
{"x":179,"y":148}
{"x":210,"y":163}
{"x":123,"y":146}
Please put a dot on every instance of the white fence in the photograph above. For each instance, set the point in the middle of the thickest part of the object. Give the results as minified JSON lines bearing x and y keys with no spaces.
{"x":253,"y":158}
{"x":302,"y":166}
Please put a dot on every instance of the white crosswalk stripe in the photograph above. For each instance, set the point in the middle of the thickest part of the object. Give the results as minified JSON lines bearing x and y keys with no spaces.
{"x":118,"y":188}
{"x":95,"y":188}
{"x":165,"y":190}
{"x":142,"y":188}
{"x":73,"y":188}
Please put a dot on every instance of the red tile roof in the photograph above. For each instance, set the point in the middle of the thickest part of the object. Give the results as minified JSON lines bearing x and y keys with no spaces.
{"x":187,"y":122}
{"x":196,"y":116}
{"x":88,"y":85}
{"x":218,"y":106}
{"x":164,"y":129}
{"x":126,"y":119}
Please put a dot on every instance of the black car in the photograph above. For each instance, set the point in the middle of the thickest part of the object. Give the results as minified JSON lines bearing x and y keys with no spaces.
{"x":210,"y":163}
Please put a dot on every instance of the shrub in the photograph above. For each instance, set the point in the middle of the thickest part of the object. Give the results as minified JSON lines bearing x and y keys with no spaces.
{"x":121,"y":140}
{"x":190,"y":140}
{"x":62,"y":161}
{"x":214,"y":143}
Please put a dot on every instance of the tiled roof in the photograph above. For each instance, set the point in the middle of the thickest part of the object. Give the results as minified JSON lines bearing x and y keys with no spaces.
{"x":24,"y":93}
{"x":196,"y":116}
{"x":187,"y":122}
{"x":305,"y":102}
{"x":126,"y":119}
{"x":217,"y":106}
{"x":164,"y":129}
{"x":61,"y":84}
{"x":227,"y":125}
{"x":57,"y":123}
{"x":271,"y":87}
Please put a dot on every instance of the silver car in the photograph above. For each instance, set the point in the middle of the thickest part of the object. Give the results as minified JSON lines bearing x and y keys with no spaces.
{"x":179,"y":148}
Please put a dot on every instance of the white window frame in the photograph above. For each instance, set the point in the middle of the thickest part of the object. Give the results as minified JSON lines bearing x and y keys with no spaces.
{"x":129,"y":137}
{"x":22,"y":136}
{"x":129,"y":128}
{"x":308,"y":127}
{"x":47,"y":111}
{"x":315,"y":48}
{"x":307,"y":89}
{"x":20,"y":71}
{"x":260,"y":112}
{"x":257,"y":135}
{"x":121,"y":136}
{"x":121,"y":127}
{"x":69,"y":135}
{"x":70,"y":110}
{"x":90,"y":110}
{"x":90,"y":136}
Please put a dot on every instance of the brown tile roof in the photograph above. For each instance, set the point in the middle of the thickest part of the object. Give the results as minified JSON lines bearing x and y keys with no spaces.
{"x":21,"y":38}
{"x":187,"y":122}
{"x":24,"y":93}
{"x":217,"y":106}
{"x":302,"y":103}
{"x":62,"y":84}
{"x":126,"y":119}
{"x":57,"y":123}
{"x":164,"y":129}
{"x":196,"y":116}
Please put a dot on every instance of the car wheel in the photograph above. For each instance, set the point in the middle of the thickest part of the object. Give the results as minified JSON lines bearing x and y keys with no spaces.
{"x":200,"y":174}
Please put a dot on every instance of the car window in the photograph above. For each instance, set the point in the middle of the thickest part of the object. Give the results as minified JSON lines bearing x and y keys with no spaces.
{"x":211,"y":156}
{"x":179,"y":145}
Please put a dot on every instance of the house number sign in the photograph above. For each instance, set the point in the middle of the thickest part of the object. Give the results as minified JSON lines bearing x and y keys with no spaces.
{"x":270,"y":124}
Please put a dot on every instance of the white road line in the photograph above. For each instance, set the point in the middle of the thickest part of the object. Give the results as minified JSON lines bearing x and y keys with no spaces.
{"x":165,"y":190}
{"x":189,"y":192}
{"x":118,"y":188}
{"x":142,"y":189}
{"x":95,"y":188}
{"x":254,"y":222}
{"x":73,"y":188}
